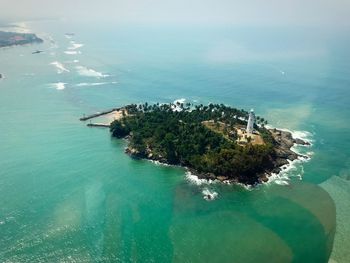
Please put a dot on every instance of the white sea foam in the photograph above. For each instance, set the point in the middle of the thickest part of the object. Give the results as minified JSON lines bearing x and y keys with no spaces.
{"x":176,"y":107}
{"x":303,"y":135}
{"x":59,"y":85}
{"x":159,"y":163}
{"x":92,"y":84}
{"x":291,"y":169}
{"x":209,"y":194}
{"x":72,"y":52}
{"x":288,"y":170}
{"x":75,"y":45}
{"x":88,"y":72}
{"x":182,"y":100}
{"x":310,"y":153}
{"x":245,"y":186}
{"x":197,"y":181}
{"x":59,"y":66}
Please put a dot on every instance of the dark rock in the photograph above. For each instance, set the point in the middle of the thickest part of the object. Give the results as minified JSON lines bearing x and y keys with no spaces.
{"x":301,"y":142}
{"x":264,"y":178}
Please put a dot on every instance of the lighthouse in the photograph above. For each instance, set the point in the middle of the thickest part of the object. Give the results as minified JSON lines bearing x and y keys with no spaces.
{"x":251,"y":121}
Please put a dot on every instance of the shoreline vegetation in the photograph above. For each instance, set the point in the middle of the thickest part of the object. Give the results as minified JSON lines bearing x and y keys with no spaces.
{"x":209,"y":141}
{"x":8,"y":39}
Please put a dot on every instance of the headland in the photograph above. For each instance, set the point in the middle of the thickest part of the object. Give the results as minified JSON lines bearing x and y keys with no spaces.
{"x":12,"y":39}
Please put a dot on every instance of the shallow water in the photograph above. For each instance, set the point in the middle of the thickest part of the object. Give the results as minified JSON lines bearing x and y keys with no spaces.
{"x":70,"y":193}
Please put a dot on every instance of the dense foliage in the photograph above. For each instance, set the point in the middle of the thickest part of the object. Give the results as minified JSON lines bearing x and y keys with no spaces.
{"x":175,"y":134}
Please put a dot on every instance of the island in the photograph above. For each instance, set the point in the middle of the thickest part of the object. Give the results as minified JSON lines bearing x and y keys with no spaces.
{"x":214,"y":142}
{"x":12,"y":38}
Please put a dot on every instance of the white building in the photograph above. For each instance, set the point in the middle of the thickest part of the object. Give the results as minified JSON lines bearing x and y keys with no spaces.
{"x":251,"y":121}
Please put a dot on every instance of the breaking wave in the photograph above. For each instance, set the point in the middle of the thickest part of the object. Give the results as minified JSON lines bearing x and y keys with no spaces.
{"x":72,"y":52}
{"x":209,"y":194}
{"x":197,"y":181}
{"x":59,"y":85}
{"x":59,"y":67}
{"x":293,"y":168}
{"x":176,"y":107}
{"x":303,"y":135}
{"x":95,"y":84}
{"x":88,"y":72}
{"x":75,"y":45}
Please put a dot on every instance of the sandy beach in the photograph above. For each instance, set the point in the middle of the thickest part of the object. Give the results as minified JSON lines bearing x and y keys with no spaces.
{"x":108,"y":118}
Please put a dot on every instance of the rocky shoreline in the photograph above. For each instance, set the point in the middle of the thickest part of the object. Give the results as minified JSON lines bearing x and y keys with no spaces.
{"x":283,"y":155}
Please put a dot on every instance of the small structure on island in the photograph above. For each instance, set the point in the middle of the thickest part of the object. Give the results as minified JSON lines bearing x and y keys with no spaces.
{"x":251,"y":122}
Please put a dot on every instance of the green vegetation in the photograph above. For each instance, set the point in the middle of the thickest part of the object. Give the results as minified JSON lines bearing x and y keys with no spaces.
{"x":179,"y":137}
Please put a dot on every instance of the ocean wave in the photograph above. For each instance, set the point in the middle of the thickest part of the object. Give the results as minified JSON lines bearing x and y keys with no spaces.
{"x":59,"y":66}
{"x":72,"y":52}
{"x":245,"y":186}
{"x":293,"y":168}
{"x":92,"y":84}
{"x":175,"y":107}
{"x":59,"y":85}
{"x":209,"y":194}
{"x":88,"y":72}
{"x":182,"y":100}
{"x":310,"y":153}
{"x":303,"y":135}
{"x":75,"y":45}
{"x":197,"y":181}
{"x":159,"y":163}
{"x":72,"y":61}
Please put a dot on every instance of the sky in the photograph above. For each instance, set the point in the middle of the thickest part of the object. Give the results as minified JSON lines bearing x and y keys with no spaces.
{"x":328,"y":13}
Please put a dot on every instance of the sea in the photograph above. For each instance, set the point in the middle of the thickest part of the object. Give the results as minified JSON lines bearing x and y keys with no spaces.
{"x":69,"y":193}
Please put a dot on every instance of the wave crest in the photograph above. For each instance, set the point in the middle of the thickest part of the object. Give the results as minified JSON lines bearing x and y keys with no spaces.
{"x":88,"y":72}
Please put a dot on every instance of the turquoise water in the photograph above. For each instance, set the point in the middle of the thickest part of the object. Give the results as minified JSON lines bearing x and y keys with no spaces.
{"x":69,"y":193}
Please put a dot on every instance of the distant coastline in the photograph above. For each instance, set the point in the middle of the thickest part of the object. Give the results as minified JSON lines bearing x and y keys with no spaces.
{"x":8,"y":39}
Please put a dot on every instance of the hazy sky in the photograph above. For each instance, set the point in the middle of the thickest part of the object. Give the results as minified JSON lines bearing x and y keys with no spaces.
{"x":236,"y":12}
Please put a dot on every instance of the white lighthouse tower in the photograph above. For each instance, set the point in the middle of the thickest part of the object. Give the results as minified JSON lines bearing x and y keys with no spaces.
{"x":251,"y":121}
